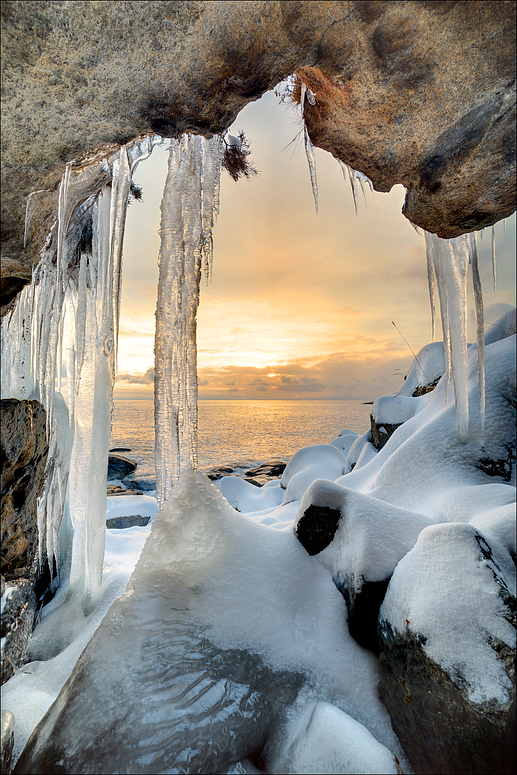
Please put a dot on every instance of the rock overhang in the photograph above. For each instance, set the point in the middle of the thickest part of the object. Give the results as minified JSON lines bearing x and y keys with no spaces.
{"x":417,"y":93}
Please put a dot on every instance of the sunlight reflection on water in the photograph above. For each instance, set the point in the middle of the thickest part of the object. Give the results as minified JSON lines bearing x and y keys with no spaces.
{"x":241,"y":432}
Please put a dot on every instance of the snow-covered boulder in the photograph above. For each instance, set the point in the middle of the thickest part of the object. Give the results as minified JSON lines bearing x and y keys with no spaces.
{"x":323,"y":739}
{"x":388,"y":413}
{"x":345,"y":440}
{"x":425,"y":371}
{"x":361,"y":452}
{"x":360,"y":540}
{"x":244,"y":496}
{"x":447,"y":629}
{"x":318,"y":461}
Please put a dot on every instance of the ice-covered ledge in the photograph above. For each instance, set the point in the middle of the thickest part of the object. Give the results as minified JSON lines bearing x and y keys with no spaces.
{"x":418,"y":93}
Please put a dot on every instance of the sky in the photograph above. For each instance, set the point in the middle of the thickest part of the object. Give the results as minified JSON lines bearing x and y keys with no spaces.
{"x":301,"y":304}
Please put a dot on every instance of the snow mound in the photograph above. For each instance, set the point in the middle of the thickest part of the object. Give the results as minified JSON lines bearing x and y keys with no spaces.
{"x":310,"y":463}
{"x":396,"y":409}
{"x":244,"y":496}
{"x":324,"y":740}
{"x":505,"y":326}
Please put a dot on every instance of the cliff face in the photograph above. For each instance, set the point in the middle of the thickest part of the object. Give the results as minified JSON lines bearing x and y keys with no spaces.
{"x":413,"y":92}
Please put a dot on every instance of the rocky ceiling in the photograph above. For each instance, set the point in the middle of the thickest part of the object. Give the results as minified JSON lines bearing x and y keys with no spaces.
{"x":413,"y":92}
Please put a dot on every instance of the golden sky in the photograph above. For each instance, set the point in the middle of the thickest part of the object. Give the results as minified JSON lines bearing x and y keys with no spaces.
{"x":301,"y":304}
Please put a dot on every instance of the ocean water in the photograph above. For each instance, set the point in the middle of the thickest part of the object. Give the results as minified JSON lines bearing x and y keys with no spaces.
{"x":244,"y":433}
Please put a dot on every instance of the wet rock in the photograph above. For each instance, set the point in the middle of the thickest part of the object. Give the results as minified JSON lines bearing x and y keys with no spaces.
{"x":7,"y":740}
{"x":120,"y":449}
{"x":120,"y":466}
{"x":363,"y":599}
{"x":23,"y":457}
{"x":113,"y":490}
{"x":447,"y":630}
{"x":16,"y":623}
{"x":271,"y":470}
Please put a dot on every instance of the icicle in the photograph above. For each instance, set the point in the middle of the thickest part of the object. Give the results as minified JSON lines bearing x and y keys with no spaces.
{"x":493,"y":257}
{"x":188,"y":211}
{"x":480,"y":328}
{"x":309,"y":151}
{"x":451,"y":258}
{"x":431,"y":285}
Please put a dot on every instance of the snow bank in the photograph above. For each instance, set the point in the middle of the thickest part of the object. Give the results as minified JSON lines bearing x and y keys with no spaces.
{"x":131,"y":505}
{"x":244,"y":496}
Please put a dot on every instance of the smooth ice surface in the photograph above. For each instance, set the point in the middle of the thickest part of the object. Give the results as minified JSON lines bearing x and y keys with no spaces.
{"x":323,"y":740}
{"x":189,"y":206}
{"x":446,"y":588}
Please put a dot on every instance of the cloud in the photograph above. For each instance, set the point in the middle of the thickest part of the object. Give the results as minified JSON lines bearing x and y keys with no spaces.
{"x":136,"y":378}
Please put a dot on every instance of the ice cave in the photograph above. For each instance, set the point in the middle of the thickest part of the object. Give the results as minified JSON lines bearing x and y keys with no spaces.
{"x":358,"y":614}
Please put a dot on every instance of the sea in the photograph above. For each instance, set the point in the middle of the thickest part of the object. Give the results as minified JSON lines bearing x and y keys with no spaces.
{"x":241,"y":433}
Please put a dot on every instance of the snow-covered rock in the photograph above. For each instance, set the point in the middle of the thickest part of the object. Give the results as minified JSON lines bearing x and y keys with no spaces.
{"x":325,"y":740}
{"x":447,"y":628}
{"x":504,"y":326}
{"x":345,"y":440}
{"x":425,"y":371}
{"x":368,"y":539}
{"x":318,"y":461}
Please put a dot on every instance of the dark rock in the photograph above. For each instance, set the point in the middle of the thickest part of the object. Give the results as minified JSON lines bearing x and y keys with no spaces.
{"x":113,"y":490}
{"x":120,"y":449}
{"x":23,"y":457}
{"x":316,"y":528}
{"x":382,"y":432}
{"x":140,"y":484}
{"x":7,"y":741}
{"x":271,"y":470}
{"x":120,"y":466}
{"x":217,"y":473}
{"x":422,"y":390}
{"x":17,"y":621}
{"x":448,"y":717}
{"x":363,"y":599}
{"x":502,"y":467}
{"x":120,"y":523}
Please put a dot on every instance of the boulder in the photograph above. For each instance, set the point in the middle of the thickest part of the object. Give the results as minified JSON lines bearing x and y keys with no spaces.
{"x":360,"y":540}
{"x":121,"y":523}
{"x":23,"y":457}
{"x":16,"y":621}
{"x":447,"y":631}
{"x":308,"y":464}
{"x":388,"y":414}
{"x":408,"y":92}
{"x":140,"y":484}
{"x":120,"y":466}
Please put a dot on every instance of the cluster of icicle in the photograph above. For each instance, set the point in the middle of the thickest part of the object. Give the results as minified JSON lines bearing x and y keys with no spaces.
{"x":189,"y":206}
{"x":447,"y":269}
{"x":60,"y":341}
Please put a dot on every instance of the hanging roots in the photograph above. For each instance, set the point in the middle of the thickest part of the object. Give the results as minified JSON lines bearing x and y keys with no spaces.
{"x":235,"y":157}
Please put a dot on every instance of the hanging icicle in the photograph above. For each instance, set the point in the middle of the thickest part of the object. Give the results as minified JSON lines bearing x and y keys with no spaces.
{"x":480,"y":327}
{"x":449,"y":259}
{"x":309,"y":148}
{"x":67,"y":319}
{"x":493,"y":258}
{"x":189,"y":206}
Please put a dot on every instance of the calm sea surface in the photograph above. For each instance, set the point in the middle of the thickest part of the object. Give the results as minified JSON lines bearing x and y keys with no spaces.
{"x":241,"y":432}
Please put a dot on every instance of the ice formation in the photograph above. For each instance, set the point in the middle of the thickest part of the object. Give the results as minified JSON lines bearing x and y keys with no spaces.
{"x":189,"y":206}
{"x":448,"y":261}
{"x":59,"y":347}
{"x":306,"y":93}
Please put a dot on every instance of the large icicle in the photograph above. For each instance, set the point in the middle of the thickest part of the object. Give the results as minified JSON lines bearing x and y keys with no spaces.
{"x":188,"y":209}
{"x":450,"y":259}
{"x":480,"y":327}
{"x":309,"y":148}
{"x":70,"y":311}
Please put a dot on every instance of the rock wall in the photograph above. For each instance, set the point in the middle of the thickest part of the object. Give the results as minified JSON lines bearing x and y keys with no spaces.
{"x":412,"y":92}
